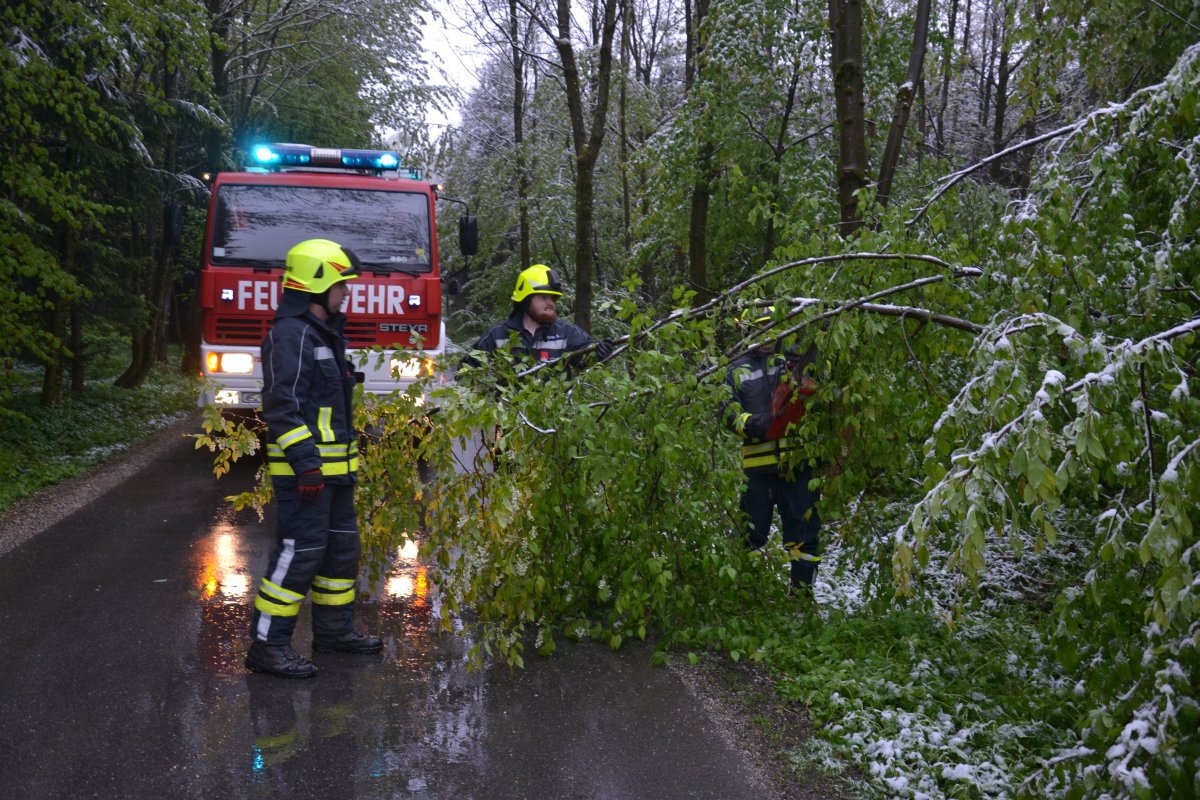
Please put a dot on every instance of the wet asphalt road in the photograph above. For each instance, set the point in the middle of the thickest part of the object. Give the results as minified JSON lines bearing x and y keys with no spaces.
{"x":122,"y":634}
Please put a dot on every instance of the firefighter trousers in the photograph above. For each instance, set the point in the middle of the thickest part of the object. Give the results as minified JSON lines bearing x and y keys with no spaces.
{"x":317,"y":549}
{"x":798,"y":516}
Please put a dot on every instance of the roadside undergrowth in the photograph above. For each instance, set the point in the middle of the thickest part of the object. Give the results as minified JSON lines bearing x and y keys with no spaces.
{"x":40,"y":447}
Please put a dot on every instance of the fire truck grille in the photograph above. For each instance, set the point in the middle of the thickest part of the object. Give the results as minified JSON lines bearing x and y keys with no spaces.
{"x":241,"y":330}
{"x":362,"y":334}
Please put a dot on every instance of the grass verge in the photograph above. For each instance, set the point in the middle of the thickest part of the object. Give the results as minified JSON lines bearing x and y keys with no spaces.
{"x":40,"y":447}
{"x":924,"y":710}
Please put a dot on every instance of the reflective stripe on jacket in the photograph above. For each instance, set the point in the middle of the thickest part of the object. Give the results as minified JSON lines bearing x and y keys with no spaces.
{"x":308,"y":391}
{"x":548,"y":343}
{"x":752,"y":380}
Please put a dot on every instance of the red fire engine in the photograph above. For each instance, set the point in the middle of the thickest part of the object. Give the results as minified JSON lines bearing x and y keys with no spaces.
{"x":362,"y":199}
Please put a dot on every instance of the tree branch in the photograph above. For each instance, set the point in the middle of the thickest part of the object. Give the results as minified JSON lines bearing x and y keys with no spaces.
{"x":1146,"y":420}
{"x":862,"y":303}
{"x":525,"y":419}
{"x":954,"y":178}
{"x":1175,"y":15}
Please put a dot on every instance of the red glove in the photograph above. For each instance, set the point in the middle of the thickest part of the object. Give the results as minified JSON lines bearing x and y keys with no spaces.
{"x":779,"y":424}
{"x":787,"y":405}
{"x":310,"y":484}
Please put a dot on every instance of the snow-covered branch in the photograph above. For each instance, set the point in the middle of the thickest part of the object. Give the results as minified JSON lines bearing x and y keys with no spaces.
{"x":967,"y":461}
{"x":863,"y":304}
{"x":544,"y":431}
{"x":953,"y":179}
{"x":949,"y":181}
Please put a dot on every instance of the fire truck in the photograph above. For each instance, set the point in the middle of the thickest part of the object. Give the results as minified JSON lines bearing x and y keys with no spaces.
{"x":365,"y":200}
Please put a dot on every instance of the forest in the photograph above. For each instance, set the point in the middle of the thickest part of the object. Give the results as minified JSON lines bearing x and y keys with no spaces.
{"x":982,"y":213}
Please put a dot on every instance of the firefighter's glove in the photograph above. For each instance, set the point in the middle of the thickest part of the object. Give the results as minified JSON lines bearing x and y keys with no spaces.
{"x":757,"y":425}
{"x":604,"y":348}
{"x":310,"y":484}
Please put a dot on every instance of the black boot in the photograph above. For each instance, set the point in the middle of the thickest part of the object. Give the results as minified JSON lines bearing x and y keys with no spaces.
{"x":349,"y":642}
{"x":279,"y":660}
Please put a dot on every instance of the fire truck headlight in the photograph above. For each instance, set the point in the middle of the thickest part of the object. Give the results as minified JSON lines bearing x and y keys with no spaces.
{"x":412,"y":368}
{"x":230,"y":363}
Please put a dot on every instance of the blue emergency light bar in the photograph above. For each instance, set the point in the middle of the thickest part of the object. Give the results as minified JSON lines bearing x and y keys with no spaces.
{"x":275,"y":155}
{"x":370,"y":159}
{"x":302,"y":155}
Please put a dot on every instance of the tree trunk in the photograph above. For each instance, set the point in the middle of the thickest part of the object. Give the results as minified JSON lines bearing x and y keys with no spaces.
{"x":904,"y":100}
{"x":1025,"y":168}
{"x":987,"y":76}
{"x":845,"y":25}
{"x":189,"y":363}
{"x":1002,"y":75}
{"x":586,"y":145}
{"x":702,"y":187}
{"x":52,"y":378}
{"x":78,"y":357}
{"x":698,"y":226}
{"x":141,"y":337}
{"x":947,"y":67}
{"x":166,"y":254}
{"x":518,"y":112}
{"x":689,"y":43}
{"x":623,"y":129}
{"x":779,"y":150}
{"x":162,"y":313}
{"x":923,"y":119}
{"x":966,"y":49}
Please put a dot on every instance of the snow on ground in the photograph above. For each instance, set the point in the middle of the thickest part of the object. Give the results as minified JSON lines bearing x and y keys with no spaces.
{"x":929,"y":753}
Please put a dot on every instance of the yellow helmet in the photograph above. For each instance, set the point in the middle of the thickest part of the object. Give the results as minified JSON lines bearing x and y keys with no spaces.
{"x":316,"y":264}
{"x":538,"y":279}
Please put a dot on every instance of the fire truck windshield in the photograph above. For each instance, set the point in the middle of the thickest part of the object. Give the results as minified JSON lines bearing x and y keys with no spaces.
{"x":255,"y":225}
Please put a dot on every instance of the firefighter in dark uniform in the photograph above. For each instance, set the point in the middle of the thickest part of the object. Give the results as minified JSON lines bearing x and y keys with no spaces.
{"x":312,"y":456}
{"x":539,"y":334}
{"x":767,"y":392}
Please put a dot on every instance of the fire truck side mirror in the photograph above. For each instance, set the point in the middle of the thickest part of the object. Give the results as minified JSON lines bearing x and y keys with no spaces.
{"x":468,"y":235}
{"x":452,"y":285}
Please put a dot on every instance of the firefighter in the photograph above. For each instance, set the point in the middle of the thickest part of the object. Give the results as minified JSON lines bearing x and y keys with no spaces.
{"x":312,"y":456}
{"x":534,"y":321}
{"x":767,"y":392}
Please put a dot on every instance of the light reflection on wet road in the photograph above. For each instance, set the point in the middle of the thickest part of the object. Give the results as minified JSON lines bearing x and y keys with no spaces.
{"x":122,"y":633}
